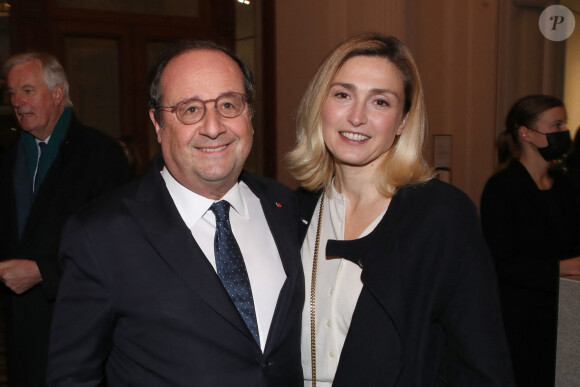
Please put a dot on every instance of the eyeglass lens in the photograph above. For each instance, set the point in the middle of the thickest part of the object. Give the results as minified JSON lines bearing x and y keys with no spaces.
{"x":192,"y":110}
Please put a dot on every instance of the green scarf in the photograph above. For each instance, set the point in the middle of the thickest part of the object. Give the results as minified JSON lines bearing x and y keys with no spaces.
{"x":51,"y":150}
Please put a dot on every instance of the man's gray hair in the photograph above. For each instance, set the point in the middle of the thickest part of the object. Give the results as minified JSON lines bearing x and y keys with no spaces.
{"x":54,"y":73}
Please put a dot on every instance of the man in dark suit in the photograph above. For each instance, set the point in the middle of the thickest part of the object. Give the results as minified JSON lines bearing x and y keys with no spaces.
{"x":146,"y":297}
{"x":57,"y":166}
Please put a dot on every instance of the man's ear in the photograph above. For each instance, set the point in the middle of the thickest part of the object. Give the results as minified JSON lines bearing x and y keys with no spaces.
{"x":58,"y":94}
{"x":158,"y":127}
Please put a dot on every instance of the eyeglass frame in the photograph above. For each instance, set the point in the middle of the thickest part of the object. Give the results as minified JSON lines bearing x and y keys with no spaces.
{"x":173,"y":108}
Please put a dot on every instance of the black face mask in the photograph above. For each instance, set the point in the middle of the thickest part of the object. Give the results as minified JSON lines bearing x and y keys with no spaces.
{"x":558,"y":144}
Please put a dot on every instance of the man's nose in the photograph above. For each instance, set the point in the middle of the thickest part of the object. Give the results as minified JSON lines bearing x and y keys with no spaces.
{"x":212,"y":123}
{"x":16,"y":100}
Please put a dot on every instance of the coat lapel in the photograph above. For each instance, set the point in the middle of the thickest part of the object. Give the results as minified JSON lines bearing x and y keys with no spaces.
{"x":47,"y":190}
{"x":156,"y":214}
{"x":42,"y":197}
{"x":284,"y":232}
{"x":381,"y":276}
{"x":381,"y":272}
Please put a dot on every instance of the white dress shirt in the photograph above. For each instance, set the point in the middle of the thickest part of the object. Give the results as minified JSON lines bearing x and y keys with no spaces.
{"x":338,"y":286}
{"x":252,"y":233}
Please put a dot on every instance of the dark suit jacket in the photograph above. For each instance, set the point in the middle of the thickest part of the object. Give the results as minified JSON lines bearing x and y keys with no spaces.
{"x":88,"y":164}
{"x":428,"y":313}
{"x":140,"y":304}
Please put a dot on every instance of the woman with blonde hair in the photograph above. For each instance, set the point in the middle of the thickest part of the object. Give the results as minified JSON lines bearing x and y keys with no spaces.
{"x":402,"y":288}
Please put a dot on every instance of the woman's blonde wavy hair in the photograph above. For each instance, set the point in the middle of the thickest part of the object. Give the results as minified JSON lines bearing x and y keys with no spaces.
{"x":312,"y":164}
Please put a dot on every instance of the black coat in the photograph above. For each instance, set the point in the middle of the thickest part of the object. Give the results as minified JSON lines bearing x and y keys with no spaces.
{"x":428,"y":313}
{"x":141,"y":305}
{"x":529,"y":231}
{"x":88,"y":164}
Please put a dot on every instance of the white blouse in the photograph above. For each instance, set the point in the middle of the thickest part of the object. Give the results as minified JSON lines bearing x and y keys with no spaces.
{"x":338,"y":286}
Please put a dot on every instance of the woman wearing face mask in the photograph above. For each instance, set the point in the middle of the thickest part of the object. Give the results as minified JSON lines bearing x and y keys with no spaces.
{"x":530,"y":219}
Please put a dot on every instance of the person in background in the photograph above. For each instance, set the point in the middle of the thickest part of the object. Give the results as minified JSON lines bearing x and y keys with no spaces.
{"x":402,"y":288}
{"x":190,"y":276}
{"x":573,"y":163}
{"x":58,"y":166}
{"x":531,"y":221}
{"x":131,"y":149}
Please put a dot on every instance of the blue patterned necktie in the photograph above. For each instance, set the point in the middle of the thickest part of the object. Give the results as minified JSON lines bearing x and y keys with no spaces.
{"x":231,"y":268}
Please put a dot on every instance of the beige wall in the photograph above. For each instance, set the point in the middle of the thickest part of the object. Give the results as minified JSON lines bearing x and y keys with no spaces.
{"x":572,"y":86}
{"x":454,"y":43}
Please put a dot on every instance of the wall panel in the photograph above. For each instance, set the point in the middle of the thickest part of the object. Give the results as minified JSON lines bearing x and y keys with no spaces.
{"x":455,"y":45}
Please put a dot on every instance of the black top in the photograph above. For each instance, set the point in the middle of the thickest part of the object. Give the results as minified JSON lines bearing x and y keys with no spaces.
{"x":428,"y":313}
{"x":529,"y":230}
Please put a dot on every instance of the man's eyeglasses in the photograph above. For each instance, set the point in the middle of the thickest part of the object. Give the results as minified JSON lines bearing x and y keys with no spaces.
{"x":192,"y":110}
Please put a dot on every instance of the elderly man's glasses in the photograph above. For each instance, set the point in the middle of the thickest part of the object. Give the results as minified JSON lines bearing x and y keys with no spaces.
{"x":192,"y":110}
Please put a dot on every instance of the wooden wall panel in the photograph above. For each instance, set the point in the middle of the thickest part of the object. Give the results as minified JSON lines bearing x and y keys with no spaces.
{"x":46,"y":25}
{"x":572,"y":73}
{"x":455,"y":45}
{"x":528,"y":62}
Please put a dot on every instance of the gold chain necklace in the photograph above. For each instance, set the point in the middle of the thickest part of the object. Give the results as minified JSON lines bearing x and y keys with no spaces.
{"x":313,"y":294}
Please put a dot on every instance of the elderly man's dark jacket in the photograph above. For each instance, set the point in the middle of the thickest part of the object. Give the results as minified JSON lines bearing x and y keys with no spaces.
{"x":89,"y":163}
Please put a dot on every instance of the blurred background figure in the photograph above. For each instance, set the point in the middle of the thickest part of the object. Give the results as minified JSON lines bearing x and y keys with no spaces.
{"x":401,"y":284}
{"x":531,"y":220}
{"x":57,"y":166}
{"x":131,"y":149}
{"x":574,"y":163}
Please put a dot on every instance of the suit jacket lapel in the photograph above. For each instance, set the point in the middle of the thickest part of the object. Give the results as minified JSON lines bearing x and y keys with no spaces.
{"x":282,"y":229}
{"x":156,"y":214}
{"x":307,"y":204}
{"x":46,"y":190}
{"x":42,"y":197}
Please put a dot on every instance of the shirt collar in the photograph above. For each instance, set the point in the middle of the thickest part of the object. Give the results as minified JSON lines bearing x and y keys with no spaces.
{"x":192,"y":207}
{"x":46,"y":140}
{"x":236,"y":199}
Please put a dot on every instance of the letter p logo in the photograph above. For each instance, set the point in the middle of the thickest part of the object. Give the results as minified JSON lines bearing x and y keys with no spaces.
{"x":557,"y":20}
{"x":557,"y":23}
